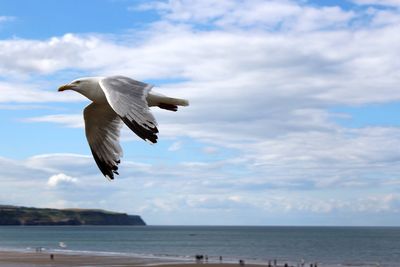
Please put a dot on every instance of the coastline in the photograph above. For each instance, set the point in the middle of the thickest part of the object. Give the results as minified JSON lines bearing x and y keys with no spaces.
{"x":34,"y":259}
{"x":153,"y":246}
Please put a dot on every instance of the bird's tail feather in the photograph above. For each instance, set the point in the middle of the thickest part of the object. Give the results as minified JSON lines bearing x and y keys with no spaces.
{"x":165,"y":102}
{"x":172,"y":104}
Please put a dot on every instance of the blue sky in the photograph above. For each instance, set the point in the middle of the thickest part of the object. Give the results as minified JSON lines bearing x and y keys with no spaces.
{"x":293,"y":117}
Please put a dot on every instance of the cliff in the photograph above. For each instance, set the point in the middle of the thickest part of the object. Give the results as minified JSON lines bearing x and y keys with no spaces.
{"x":12,"y":215}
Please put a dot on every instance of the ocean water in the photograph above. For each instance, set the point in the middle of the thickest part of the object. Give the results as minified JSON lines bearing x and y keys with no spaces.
{"x":329,"y":246}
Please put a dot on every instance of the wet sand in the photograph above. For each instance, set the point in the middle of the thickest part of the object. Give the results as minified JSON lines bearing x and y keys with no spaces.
{"x":31,"y":259}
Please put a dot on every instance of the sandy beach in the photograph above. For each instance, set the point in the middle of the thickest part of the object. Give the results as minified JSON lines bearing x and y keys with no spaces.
{"x":30,"y":259}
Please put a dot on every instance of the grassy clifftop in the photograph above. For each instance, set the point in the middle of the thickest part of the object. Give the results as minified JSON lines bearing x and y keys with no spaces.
{"x":12,"y":215}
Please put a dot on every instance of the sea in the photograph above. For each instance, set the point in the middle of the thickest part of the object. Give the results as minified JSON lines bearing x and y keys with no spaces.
{"x":326,"y":246}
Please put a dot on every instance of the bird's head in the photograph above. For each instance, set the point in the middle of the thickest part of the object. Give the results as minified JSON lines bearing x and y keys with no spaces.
{"x":76,"y":85}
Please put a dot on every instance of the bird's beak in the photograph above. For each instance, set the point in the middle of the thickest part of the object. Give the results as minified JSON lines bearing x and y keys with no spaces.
{"x":65,"y":87}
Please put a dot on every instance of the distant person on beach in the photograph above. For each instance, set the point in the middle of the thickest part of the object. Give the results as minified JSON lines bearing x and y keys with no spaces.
{"x":51,"y":256}
{"x":199,"y":258}
{"x":220,"y":258}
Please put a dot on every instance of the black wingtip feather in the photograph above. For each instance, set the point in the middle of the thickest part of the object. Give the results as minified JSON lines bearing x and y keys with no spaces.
{"x":144,"y":133}
{"x":106,"y":169}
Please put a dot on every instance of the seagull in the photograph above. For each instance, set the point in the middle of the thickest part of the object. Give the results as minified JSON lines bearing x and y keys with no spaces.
{"x":118,"y":100}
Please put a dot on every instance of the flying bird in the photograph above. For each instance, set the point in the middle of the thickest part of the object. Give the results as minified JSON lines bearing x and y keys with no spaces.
{"x":117,"y":100}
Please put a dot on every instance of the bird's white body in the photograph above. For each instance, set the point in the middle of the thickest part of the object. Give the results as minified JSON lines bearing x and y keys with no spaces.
{"x":91,"y":89}
{"x":117,"y":100}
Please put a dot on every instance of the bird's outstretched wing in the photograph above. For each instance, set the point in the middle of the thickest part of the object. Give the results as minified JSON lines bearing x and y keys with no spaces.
{"x":102,"y":127}
{"x":128,"y":99}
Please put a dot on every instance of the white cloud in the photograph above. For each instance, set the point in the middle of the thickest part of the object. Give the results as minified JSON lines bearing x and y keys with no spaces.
{"x":255,"y":13}
{"x":17,"y":93}
{"x":183,"y":10}
{"x":385,"y":17}
{"x":6,"y":18}
{"x":175,"y":146}
{"x":61,"y":180}
{"x":72,"y":164}
{"x":229,"y":60}
{"x":378,"y":2}
{"x":277,"y":80}
{"x":22,"y":107}
{"x":210,"y":150}
{"x":266,"y":95}
{"x":33,"y":56}
{"x":204,"y":188}
{"x":69,"y":120}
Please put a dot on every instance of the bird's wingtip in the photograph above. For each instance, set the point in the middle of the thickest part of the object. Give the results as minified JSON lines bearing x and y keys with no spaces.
{"x":109,"y":178}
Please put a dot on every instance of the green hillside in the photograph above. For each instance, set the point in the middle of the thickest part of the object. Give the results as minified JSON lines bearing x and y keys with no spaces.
{"x":12,"y":215}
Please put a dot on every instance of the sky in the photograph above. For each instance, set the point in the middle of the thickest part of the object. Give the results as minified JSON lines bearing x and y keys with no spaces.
{"x":293,"y":116}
